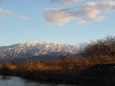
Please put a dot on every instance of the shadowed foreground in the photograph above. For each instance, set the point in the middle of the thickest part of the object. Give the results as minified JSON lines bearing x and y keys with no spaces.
{"x":90,"y":72}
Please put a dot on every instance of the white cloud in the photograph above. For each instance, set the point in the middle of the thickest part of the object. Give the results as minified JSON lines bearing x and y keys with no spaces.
{"x":23,"y":17}
{"x":91,"y":11}
{"x":65,"y":1}
{"x":2,"y":11}
{"x":57,"y":16}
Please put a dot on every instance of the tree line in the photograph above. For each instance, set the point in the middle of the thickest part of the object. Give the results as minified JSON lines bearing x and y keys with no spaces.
{"x":100,"y":48}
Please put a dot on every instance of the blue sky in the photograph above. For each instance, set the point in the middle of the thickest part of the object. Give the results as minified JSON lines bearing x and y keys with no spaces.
{"x":61,"y":21}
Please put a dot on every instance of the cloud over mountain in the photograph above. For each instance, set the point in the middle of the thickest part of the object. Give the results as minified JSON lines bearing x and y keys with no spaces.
{"x":91,"y":11}
{"x":57,"y":16}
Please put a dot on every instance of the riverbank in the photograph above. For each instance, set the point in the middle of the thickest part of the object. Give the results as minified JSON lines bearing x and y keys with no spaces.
{"x":66,"y":71}
{"x":9,"y":81}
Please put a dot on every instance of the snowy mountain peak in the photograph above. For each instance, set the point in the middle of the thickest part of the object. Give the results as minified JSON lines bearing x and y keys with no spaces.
{"x":38,"y":48}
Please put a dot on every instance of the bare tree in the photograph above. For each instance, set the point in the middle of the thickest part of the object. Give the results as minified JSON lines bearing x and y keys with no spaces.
{"x":100,"y":48}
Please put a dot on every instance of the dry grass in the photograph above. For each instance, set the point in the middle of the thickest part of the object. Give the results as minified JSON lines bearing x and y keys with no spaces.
{"x":62,"y":71}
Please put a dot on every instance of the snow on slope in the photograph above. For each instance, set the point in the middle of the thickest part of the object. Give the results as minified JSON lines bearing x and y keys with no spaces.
{"x":38,"y":48}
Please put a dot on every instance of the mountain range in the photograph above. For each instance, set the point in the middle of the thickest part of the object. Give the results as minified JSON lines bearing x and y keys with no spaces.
{"x":39,"y":48}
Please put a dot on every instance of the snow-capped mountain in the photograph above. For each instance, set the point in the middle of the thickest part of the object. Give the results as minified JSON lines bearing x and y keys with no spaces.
{"x":31,"y":49}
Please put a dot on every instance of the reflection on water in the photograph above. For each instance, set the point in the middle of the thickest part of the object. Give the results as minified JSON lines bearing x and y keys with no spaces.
{"x":16,"y":81}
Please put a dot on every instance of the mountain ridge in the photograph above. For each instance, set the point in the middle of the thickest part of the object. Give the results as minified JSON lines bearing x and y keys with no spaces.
{"x":37,"y":48}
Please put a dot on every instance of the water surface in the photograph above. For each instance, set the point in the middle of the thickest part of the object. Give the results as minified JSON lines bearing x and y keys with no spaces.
{"x":17,"y":81}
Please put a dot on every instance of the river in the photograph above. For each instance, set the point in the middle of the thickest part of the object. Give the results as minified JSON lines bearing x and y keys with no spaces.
{"x":17,"y":81}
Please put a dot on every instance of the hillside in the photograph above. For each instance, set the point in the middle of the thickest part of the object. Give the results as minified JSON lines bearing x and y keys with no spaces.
{"x":39,"y":48}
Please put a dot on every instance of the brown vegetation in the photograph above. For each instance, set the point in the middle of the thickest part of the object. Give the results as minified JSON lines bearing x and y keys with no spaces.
{"x":68,"y":71}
